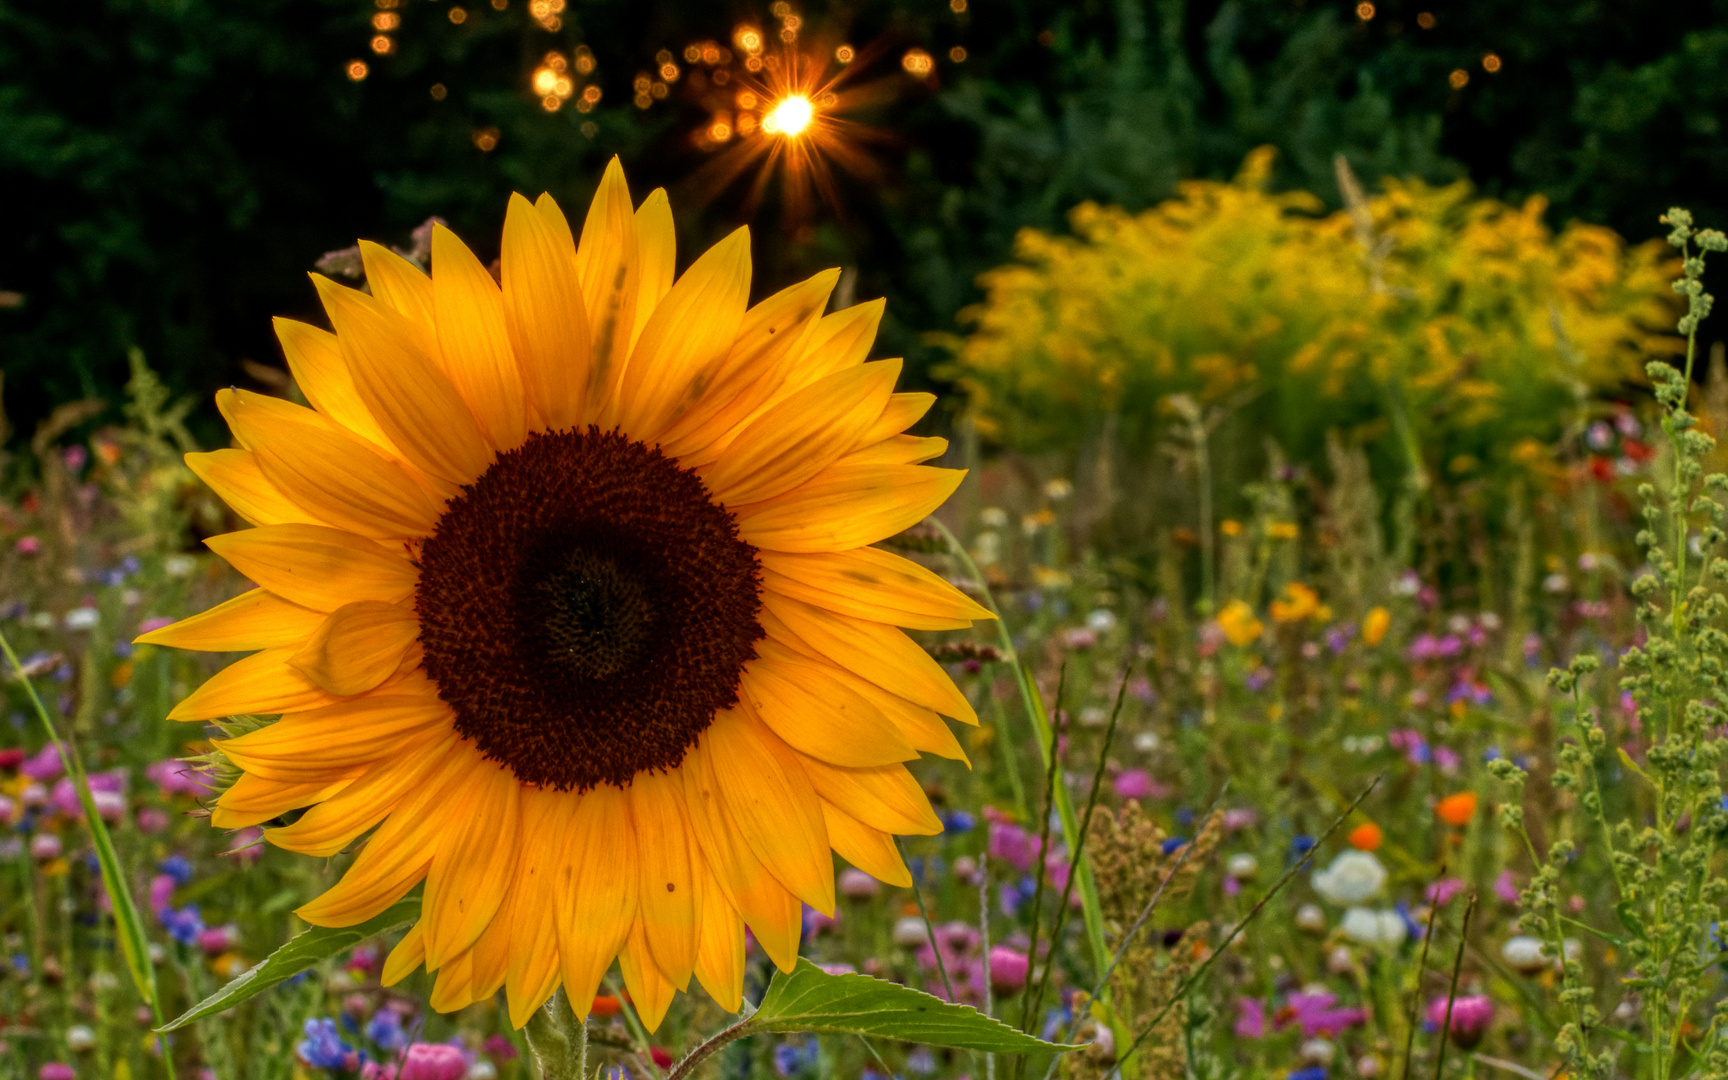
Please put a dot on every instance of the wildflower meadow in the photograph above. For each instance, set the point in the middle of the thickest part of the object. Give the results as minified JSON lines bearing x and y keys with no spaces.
{"x":1313,"y":663}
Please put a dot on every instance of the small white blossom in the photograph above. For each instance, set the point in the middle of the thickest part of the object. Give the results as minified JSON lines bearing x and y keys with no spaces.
{"x":1384,"y":928}
{"x":1353,"y":877}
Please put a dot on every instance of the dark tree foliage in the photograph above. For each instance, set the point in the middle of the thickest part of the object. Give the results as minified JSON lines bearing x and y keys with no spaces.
{"x":172,"y":167}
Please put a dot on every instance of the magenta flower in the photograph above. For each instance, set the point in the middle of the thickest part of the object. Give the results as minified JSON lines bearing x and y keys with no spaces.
{"x":1138,"y":784}
{"x":176,"y":777}
{"x":1442,"y":891}
{"x":161,"y":893}
{"x":433,"y":1061}
{"x":154,"y":623}
{"x":1250,"y":1018}
{"x":1506,"y":887}
{"x":1316,"y":1015}
{"x":56,"y":1070}
{"x":1013,"y":845}
{"x":1008,"y":969}
{"x":1470,"y":1017}
{"x":43,"y":766}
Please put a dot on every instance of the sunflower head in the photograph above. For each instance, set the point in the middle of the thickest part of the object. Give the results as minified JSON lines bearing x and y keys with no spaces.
{"x":567,"y":604}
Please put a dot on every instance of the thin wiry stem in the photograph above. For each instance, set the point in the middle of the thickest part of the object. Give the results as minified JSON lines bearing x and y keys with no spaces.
{"x":1079,"y":851}
{"x":1043,"y":849}
{"x":929,"y":929}
{"x":1205,"y":965}
{"x":1452,"y":990}
{"x":1416,"y":995}
{"x":984,"y":937}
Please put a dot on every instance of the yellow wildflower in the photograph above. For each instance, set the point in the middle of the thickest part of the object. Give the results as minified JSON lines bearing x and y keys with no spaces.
{"x":1375,"y":624}
{"x":1298,"y":602}
{"x":1239,"y":624}
{"x":1283,"y":530}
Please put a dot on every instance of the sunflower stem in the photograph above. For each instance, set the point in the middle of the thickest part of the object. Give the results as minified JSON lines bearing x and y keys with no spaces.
{"x":559,"y":1040}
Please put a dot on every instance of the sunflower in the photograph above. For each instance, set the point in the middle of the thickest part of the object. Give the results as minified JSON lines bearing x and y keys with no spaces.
{"x":565,"y":595}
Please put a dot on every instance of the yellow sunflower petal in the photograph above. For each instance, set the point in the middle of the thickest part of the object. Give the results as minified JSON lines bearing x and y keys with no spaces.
{"x":848,"y":506}
{"x":256,"y":619}
{"x":922,"y":727}
{"x":770,"y":799}
{"x":408,"y":954}
{"x":868,"y":583}
{"x":656,"y":249}
{"x":253,"y":799}
{"x":315,"y":361}
{"x":454,"y":988}
{"x":401,"y":851}
{"x":316,"y":567}
{"x":235,"y":477}
{"x":609,"y":266}
{"x":870,"y":850}
{"x":596,"y":896}
{"x":886,"y":797}
{"x":404,"y":388}
{"x":686,"y":340}
{"x":668,"y":891}
{"x":817,"y":713}
{"x":650,"y":990}
{"x":801,"y":436}
{"x":406,"y":289}
{"x":719,"y":943}
{"x":329,"y":827}
{"x":544,"y":314}
{"x":475,"y":343}
{"x":534,"y":967}
{"x":765,"y":904}
{"x":754,"y":372}
{"x":261,"y":683}
{"x":358,"y":646}
{"x":334,"y":476}
{"x":466,"y":882}
{"x":841,"y":340}
{"x":342,"y":738}
{"x":875,"y":651}
{"x":902,"y":412}
{"x":898,"y":450}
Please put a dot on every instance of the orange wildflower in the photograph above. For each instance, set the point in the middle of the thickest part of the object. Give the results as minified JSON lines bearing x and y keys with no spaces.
{"x":1457,"y":809}
{"x":1366,"y":836}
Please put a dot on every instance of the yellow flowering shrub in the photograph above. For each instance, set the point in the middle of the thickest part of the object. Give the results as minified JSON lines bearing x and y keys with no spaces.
{"x":1466,"y":321}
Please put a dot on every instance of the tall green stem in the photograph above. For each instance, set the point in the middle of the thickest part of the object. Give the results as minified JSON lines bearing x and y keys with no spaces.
{"x":559,"y":1040}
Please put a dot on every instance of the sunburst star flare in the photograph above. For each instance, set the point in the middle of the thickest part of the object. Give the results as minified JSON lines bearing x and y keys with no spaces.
{"x":566,"y":600}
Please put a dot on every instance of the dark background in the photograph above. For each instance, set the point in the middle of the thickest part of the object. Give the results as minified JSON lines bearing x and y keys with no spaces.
{"x":172,"y":168}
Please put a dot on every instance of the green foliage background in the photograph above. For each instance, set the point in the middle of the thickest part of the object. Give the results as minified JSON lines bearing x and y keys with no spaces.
{"x":172,"y":167}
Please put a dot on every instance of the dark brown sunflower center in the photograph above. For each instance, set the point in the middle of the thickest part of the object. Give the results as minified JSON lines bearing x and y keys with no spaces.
{"x":586,"y":608}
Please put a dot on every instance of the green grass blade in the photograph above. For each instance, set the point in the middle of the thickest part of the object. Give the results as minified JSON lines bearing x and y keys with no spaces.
{"x":134,"y":946}
{"x":299,"y":953}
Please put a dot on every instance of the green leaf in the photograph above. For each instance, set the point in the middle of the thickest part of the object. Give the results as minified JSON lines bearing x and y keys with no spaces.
{"x":810,"y":999}
{"x":301,"y":952}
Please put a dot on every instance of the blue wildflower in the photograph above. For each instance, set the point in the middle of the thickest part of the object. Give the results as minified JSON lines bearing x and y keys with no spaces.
{"x":321,"y":1048}
{"x":385,"y":1029}
{"x":793,"y":1058}
{"x":21,"y":965}
{"x":177,"y":867}
{"x":958,"y":821}
{"x":1174,"y":844}
{"x":1312,"y":1072}
{"x":183,"y":925}
{"x":1301,"y":846}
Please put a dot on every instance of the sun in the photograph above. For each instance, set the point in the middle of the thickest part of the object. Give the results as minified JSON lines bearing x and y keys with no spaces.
{"x":791,"y":117}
